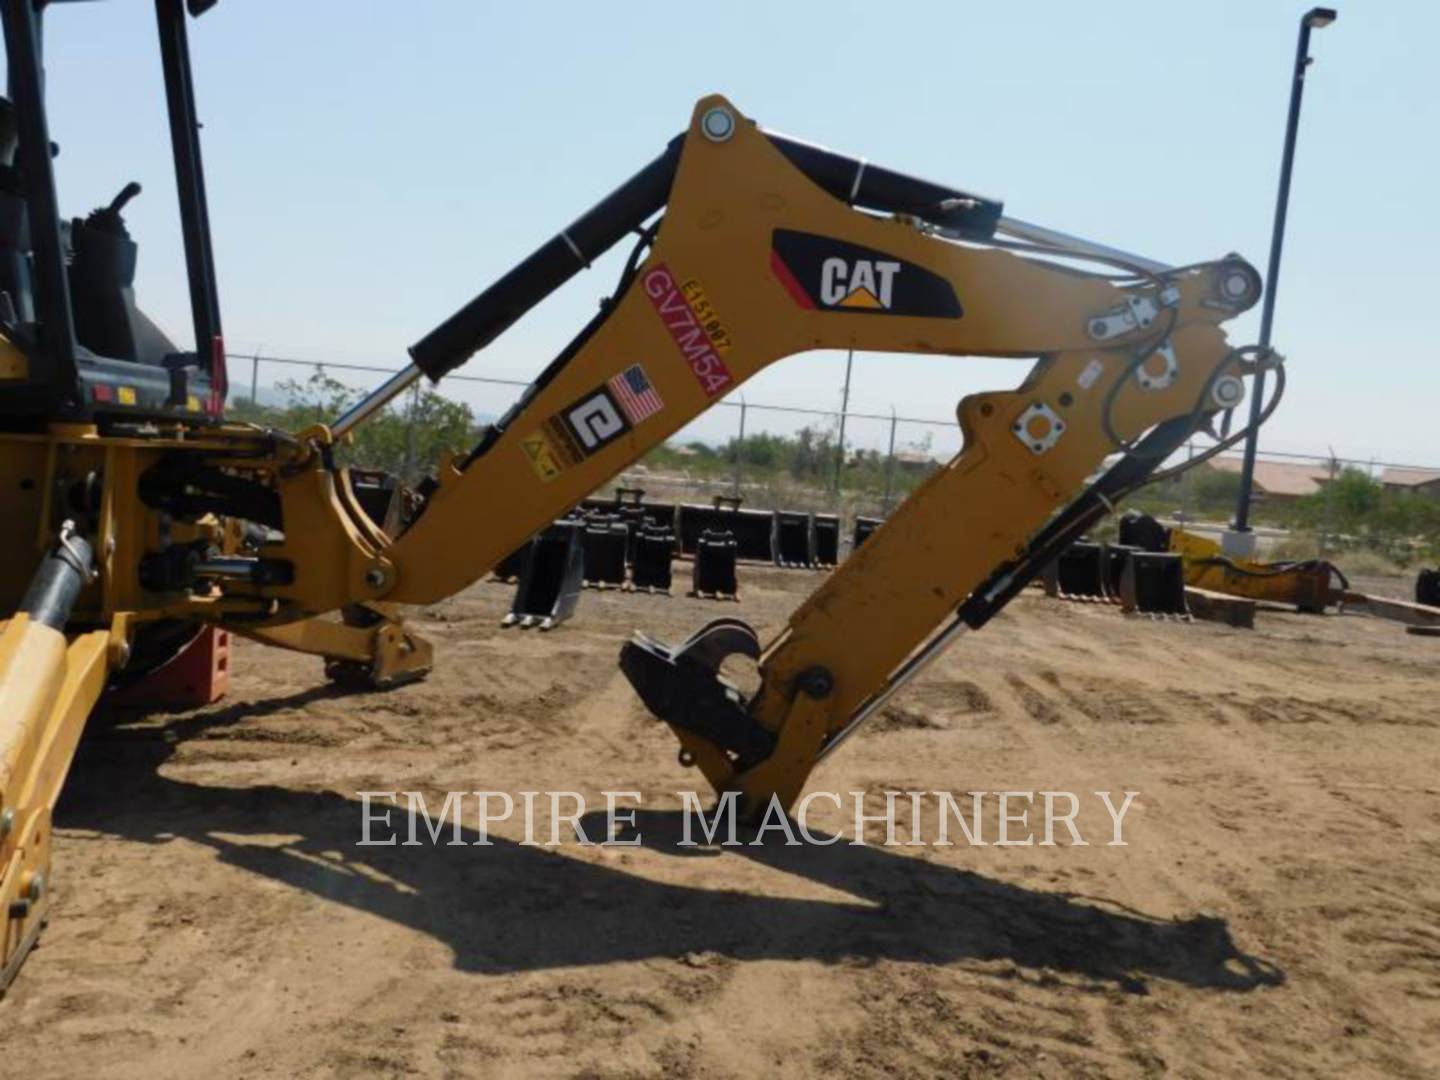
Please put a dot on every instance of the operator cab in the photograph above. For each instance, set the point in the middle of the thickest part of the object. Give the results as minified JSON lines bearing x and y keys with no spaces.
{"x":73,"y":344}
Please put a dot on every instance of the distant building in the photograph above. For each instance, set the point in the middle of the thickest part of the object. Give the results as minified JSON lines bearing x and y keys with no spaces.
{"x":1421,"y":481}
{"x":1280,"y":481}
{"x":914,"y":461}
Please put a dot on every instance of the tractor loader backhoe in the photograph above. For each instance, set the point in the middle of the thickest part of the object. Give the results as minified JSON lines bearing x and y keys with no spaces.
{"x":135,"y":512}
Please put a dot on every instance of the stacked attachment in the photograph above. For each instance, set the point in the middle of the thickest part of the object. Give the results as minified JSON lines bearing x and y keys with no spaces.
{"x":653,"y":547}
{"x":603,"y":547}
{"x":1080,"y":573}
{"x":1141,"y":582}
{"x":751,"y":529}
{"x":509,"y":568}
{"x":1427,"y":587}
{"x":864,"y":526}
{"x":713,"y":572}
{"x":1152,"y":583}
{"x":826,"y":535}
{"x":793,"y":539}
{"x":629,"y":505}
{"x":550,"y":577}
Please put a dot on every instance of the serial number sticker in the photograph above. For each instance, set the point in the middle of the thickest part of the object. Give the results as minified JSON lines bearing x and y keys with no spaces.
{"x":706,"y":313}
{"x":1093,"y":371}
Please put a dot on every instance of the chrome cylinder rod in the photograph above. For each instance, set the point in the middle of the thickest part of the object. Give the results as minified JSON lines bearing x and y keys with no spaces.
{"x":376,"y":400}
{"x":1039,"y":234}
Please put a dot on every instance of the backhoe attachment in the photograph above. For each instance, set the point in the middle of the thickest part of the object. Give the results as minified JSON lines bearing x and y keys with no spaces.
{"x":685,"y":685}
{"x":1128,"y":366}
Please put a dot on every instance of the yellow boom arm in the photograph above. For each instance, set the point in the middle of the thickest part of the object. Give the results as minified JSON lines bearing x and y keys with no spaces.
{"x":754,"y":262}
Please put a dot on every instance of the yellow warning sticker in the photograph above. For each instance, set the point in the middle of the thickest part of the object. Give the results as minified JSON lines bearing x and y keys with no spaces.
{"x":126,"y":395}
{"x":541,"y":455}
{"x":192,"y":403}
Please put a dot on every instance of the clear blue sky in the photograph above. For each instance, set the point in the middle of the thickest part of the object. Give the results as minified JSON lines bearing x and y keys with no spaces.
{"x":372,"y":166}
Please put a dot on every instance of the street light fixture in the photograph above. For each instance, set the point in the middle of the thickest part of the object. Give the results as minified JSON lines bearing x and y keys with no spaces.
{"x":1314,"y":19}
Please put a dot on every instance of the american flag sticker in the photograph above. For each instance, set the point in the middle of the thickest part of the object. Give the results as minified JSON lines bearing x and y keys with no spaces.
{"x":633,"y":389}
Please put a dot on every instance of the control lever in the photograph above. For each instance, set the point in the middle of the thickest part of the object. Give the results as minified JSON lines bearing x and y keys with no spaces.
{"x":108,"y":218}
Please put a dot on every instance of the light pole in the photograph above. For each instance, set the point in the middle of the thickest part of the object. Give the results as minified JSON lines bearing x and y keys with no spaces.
{"x":1314,"y":19}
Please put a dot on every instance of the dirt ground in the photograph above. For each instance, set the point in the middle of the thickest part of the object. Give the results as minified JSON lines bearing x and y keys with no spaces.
{"x":1276,"y":911}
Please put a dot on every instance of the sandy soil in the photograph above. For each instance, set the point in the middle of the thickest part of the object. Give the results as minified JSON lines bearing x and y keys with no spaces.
{"x":1277,"y":910}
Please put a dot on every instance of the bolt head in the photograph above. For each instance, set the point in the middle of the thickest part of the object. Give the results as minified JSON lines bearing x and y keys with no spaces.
{"x":7,"y":822}
{"x":816,"y":682}
{"x":717,"y":124}
{"x":1228,"y":392}
{"x":374,"y":577}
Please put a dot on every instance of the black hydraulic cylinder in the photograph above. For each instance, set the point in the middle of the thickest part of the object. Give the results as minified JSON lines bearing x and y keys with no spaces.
{"x":56,"y":585}
{"x":862,"y":184}
{"x":1066,"y":527}
{"x":627,"y":208}
{"x":555,"y":262}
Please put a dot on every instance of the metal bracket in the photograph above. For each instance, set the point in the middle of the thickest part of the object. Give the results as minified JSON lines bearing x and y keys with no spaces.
{"x":683,"y":686}
{"x":1150,"y":380}
{"x":1039,"y":427}
{"x":1136,"y":313}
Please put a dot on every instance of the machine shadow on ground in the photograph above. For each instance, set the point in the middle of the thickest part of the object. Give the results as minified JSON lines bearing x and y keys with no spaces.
{"x":509,"y":907}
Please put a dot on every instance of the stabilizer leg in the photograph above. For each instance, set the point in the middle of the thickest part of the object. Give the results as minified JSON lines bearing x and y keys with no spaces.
{"x":371,"y":649}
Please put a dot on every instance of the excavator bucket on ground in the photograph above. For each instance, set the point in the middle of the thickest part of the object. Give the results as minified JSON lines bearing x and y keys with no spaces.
{"x":386,"y":501}
{"x":1427,"y":587}
{"x":550,"y":580}
{"x":750,"y":528}
{"x":1114,"y":557}
{"x":713,"y":573}
{"x":827,"y":539}
{"x":1142,"y":531}
{"x":1078,"y":574}
{"x":1152,"y":583}
{"x":654,"y":547}
{"x":602,"y":546}
{"x":510,"y":567}
{"x":629,"y":505}
{"x":864,"y":526}
{"x":793,"y":539}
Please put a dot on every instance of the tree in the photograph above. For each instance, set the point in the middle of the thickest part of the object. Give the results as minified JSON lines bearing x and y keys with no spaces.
{"x":407,"y":439}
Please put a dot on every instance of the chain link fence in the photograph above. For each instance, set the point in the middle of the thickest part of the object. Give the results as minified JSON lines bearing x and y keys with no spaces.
{"x":854,"y":462}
